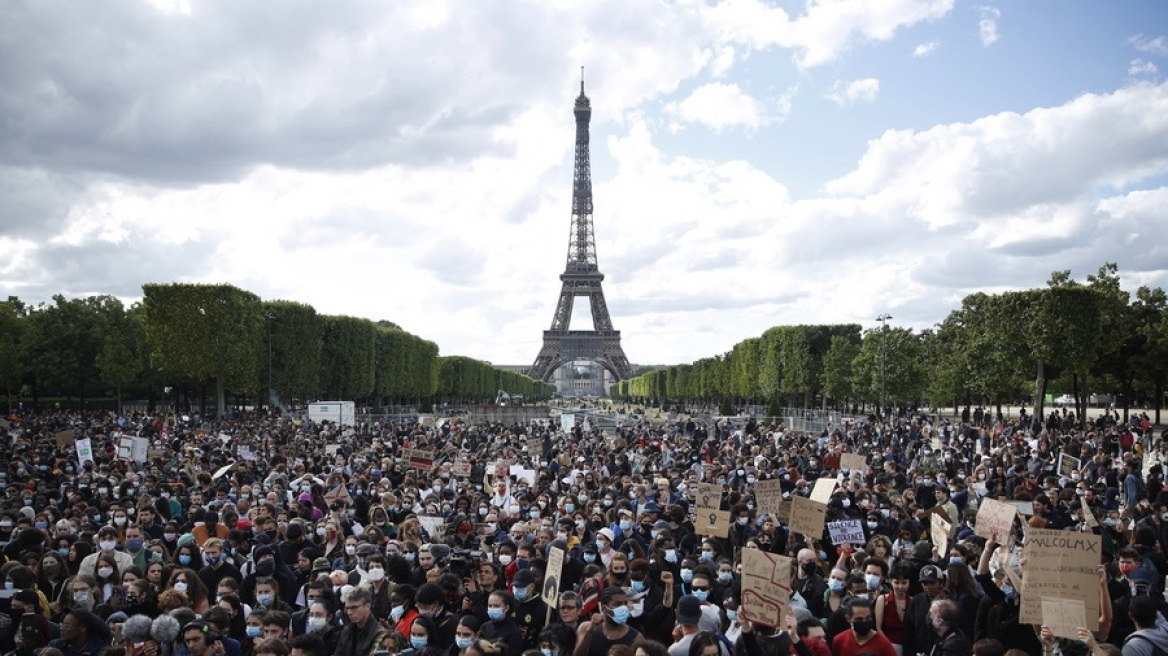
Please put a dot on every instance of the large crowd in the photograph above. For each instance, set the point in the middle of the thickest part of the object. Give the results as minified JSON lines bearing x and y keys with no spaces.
{"x":257,"y":536}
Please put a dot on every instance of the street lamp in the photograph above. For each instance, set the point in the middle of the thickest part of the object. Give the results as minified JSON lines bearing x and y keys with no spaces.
{"x":883,"y":319}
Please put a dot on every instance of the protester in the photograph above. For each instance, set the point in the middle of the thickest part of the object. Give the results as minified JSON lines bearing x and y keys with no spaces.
{"x":259,"y":523}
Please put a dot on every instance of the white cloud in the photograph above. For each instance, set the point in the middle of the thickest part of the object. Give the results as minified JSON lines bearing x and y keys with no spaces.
{"x":720,"y":106}
{"x":925,"y":48}
{"x":1156,"y":46}
{"x":987,"y":26}
{"x":856,"y":91}
{"x":827,"y":28}
{"x":1142,"y":68}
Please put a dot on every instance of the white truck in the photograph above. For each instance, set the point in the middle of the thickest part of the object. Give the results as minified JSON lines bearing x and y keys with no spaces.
{"x":341,"y":413}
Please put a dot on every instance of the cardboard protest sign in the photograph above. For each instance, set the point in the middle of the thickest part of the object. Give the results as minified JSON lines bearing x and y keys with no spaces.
{"x":331,"y":450}
{"x":766,"y":587}
{"x":853,"y":462}
{"x":418,"y":458}
{"x":1067,"y":465}
{"x":244,"y":452}
{"x":337,"y":493}
{"x":709,"y":518}
{"x":807,"y":517}
{"x":551,"y":580}
{"x":460,"y":468}
{"x":769,"y":496}
{"x":64,"y":439}
{"x":1004,"y":563}
{"x":502,"y":469}
{"x":567,"y":423}
{"x":435,"y":526}
{"x":939,"y":530}
{"x":1025,"y":508}
{"x":994,"y":519}
{"x":823,"y":489}
{"x":522,"y":474}
{"x":846,"y":531}
{"x":84,"y":450}
{"x":1061,"y":564}
{"x":1089,"y":517}
{"x":1064,"y":616}
{"x":784,"y":512}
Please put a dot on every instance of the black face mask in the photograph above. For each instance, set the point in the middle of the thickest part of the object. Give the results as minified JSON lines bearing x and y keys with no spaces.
{"x":809,"y":568}
{"x":862,"y":627}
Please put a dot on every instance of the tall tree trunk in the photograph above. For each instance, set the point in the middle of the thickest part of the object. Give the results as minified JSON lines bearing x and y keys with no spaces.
{"x":1040,"y":393}
{"x":1159,"y":399}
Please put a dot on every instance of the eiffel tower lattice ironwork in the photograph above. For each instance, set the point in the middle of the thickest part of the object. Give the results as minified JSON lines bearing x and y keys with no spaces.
{"x":581,"y":277}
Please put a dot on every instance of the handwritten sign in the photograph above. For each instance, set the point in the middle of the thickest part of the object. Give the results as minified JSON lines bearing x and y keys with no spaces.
{"x":1061,"y":564}
{"x":460,"y":468}
{"x":1064,"y":616}
{"x":846,"y":531}
{"x":822,"y":490}
{"x":551,"y":580}
{"x":64,"y":439}
{"x":766,"y":587}
{"x":939,"y":530}
{"x":434,"y":526}
{"x":84,"y":450}
{"x":709,"y":518}
{"x":769,"y":497}
{"x":853,"y":462}
{"x":418,"y":458}
{"x":338,"y":493}
{"x":1023,"y":507}
{"x":994,"y":519}
{"x":1067,"y":465}
{"x":567,"y":423}
{"x":807,"y":517}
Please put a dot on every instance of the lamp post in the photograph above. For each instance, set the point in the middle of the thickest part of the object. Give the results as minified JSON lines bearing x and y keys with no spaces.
{"x":883,"y":319}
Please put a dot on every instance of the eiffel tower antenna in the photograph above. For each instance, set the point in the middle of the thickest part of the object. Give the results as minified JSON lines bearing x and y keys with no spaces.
{"x":581,"y":277}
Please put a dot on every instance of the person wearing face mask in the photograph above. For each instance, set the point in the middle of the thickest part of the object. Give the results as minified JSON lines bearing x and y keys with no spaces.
{"x":998,"y":612}
{"x":650,"y":602}
{"x":500,"y":625}
{"x":741,"y":528}
{"x":862,"y":636}
{"x":809,"y":583}
{"x":608,"y":627}
{"x":530,"y":610}
{"x":431,"y":604}
{"x":107,"y":544}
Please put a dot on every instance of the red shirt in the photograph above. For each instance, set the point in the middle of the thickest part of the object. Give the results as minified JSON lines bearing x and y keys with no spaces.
{"x":845,"y":645}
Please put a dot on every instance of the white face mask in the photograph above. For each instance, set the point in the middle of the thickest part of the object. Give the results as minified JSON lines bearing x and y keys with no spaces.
{"x":376,"y":574}
{"x":315,"y":623}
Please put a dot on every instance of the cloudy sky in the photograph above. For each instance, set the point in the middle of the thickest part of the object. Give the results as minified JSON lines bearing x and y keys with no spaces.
{"x":755,"y":163}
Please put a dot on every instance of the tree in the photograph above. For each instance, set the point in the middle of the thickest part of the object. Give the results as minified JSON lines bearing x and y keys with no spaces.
{"x":297,"y":334}
{"x":62,"y":340}
{"x":348,"y":358}
{"x":124,"y":357}
{"x":11,"y":366}
{"x":905,"y":375}
{"x":837,"y":375}
{"x":211,"y":333}
{"x":1150,"y":310}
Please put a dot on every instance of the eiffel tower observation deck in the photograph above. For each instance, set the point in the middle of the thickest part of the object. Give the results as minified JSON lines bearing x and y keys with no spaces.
{"x":581,"y":278}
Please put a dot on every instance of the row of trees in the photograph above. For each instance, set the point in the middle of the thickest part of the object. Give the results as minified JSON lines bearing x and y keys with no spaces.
{"x":1080,"y":338}
{"x":192,"y":338}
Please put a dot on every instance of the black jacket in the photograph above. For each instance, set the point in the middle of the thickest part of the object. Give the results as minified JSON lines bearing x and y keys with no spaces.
{"x":953,"y":643}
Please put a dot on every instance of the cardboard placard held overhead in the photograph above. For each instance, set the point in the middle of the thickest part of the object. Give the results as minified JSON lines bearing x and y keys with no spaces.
{"x":766,"y":587}
{"x":64,"y":439}
{"x":1064,"y":616}
{"x":419,"y":458}
{"x":1067,"y":465}
{"x":709,"y":518}
{"x":1024,"y":508}
{"x":769,"y":497}
{"x":708,"y":497}
{"x":853,"y":462}
{"x":1061,"y":564}
{"x":823,"y":490}
{"x":551,"y":580}
{"x":846,"y":531}
{"x":84,"y":450}
{"x":807,"y":517}
{"x":460,"y":468}
{"x":939,"y":530}
{"x":435,"y":526}
{"x":338,"y":493}
{"x":995,"y":519}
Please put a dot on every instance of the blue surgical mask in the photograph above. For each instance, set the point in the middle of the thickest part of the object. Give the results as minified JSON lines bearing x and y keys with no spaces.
{"x":872,"y":581}
{"x":601,"y":544}
{"x":686,"y":575}
{"x":956,"y":560}
{"x":463,"y":643}
{"x":255,"y":631}
{"x":396,"y":613}
{"x":823,"y":555}
{"x":570,"y":507}
{"x":625,"y":524}
{"x":835,"y":585}
{"x":63,"y":552}
{"x":184,"y":559}
{"x":419,"y":643}
{"x":589,"y":557}
{"x":1008,"y":591}
{"x":707,"y":555}
{"x":265,"y":600}
{"x":520,"y":593}
{"x":732,"y":615}
{"x":496,"y":614}
{"x":671,"y":555}
{"x":702,"y":595}
{"x":548,"y":652}
{"x":620,"y":614}
{"x":725,"y":577}
{"x":638,"y":586}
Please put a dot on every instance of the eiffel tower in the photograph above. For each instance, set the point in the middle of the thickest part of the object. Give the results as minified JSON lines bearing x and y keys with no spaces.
{"x":581,"y":277}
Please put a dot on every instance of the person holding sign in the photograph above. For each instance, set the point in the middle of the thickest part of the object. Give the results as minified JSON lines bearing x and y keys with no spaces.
{"x":999,"y":610}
